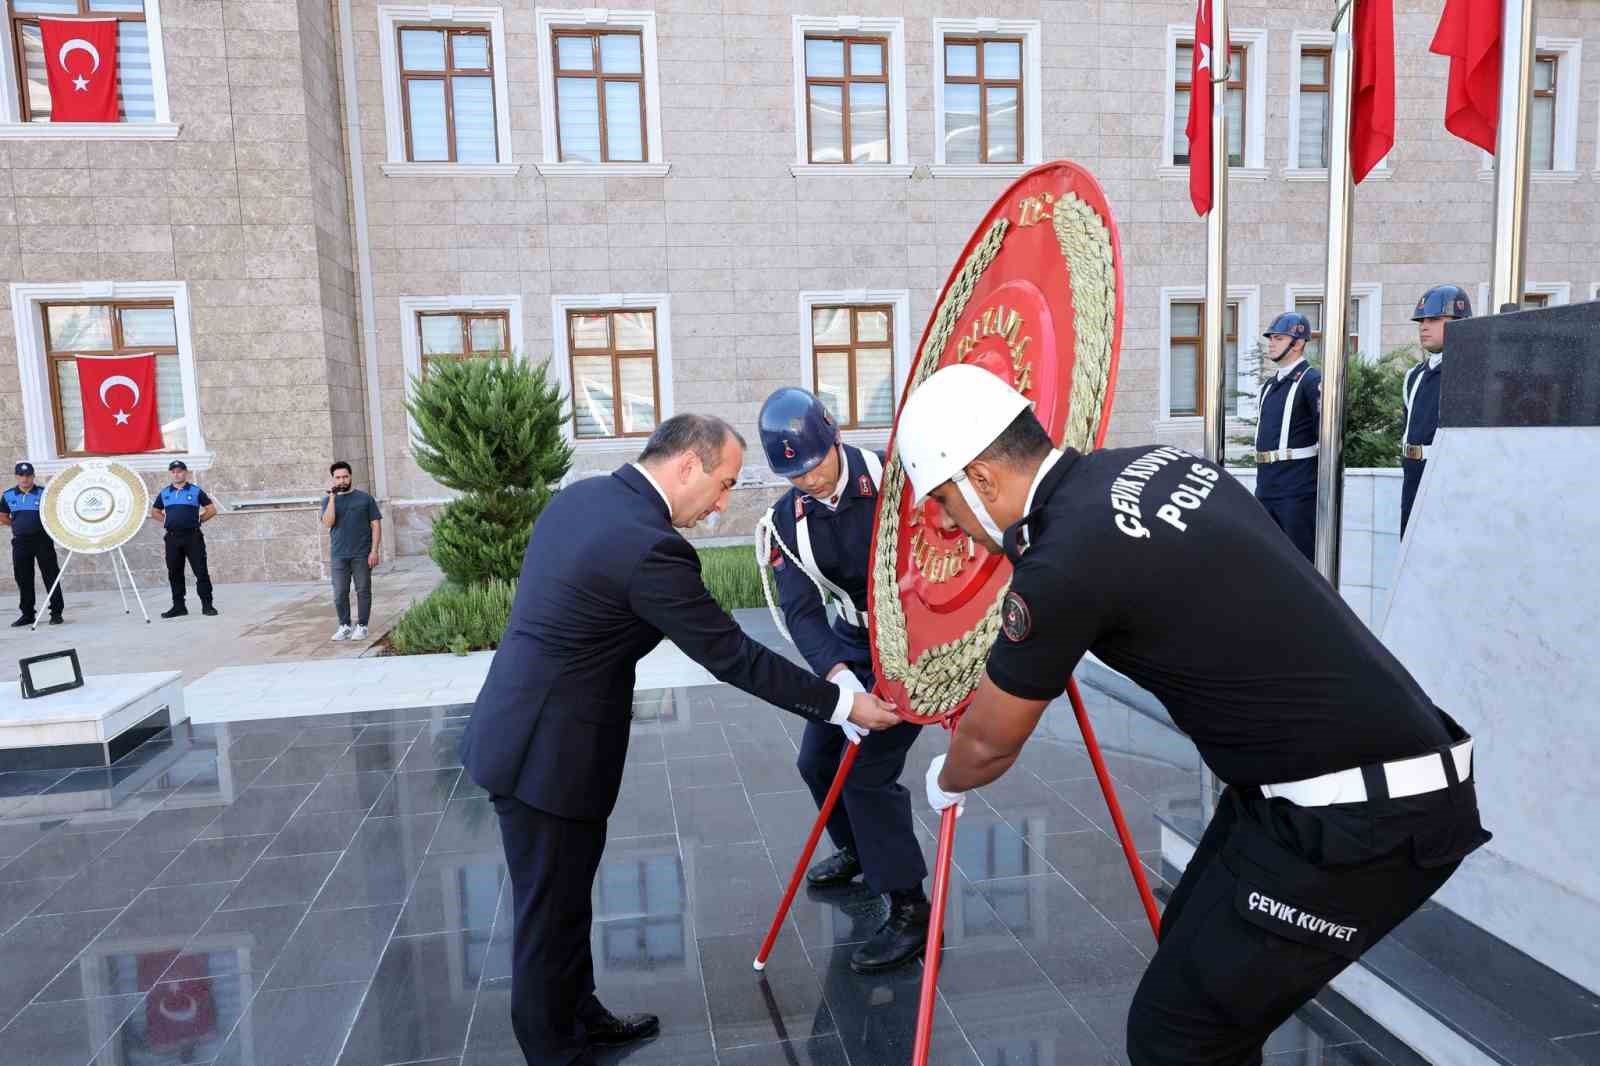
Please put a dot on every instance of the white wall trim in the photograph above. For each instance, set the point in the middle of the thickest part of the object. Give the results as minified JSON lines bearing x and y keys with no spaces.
{"x":561,"y":356}
{"x":1032,"y":34}
{"x":411,"y":343}
{"x":389,"y":19}
{"x":1594,"y":290}
{"x":1292,"y":170}
{"x":450,"y":170}
{"x":1560,"y":293}
{"x":894,"y":29}
{"x":1249,"y":300}
{"x":161,"y":128}
{"x":595,"y":18}
{"x":900,"y":302}
{"x":38,"y":417}
{"x":1255,"y":99}
{"x":1369,"y":309}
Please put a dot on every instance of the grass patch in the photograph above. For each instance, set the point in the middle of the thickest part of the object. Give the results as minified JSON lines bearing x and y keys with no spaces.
{"x":730,"y":573}
{"x":454,"y":618}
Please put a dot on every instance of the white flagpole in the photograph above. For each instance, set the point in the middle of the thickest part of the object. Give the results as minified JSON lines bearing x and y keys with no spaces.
{"x":1216,"y":389}
{"x":1511,"y":154}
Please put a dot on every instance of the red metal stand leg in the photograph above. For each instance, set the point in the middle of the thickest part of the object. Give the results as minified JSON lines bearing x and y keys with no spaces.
{"x":1110,"y":791}
{"x":930,"y":958}
{"x":845,"y":762}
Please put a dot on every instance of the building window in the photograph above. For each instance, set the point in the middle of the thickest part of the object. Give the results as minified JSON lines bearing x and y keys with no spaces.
{"x":852,"y":361}
{"x":847,"y":99}
{"x":457,"y":335}
{"x":447,"y":90}
{"x":137,"y":95}
{"x":74,"y":331}
{"x":983,"y":100}
{"x":1186,"y":356}
{"x":1311,"y":307}
{"x":1542,"y":117}
{"x":1311,"y":147}
{"x":615,"y":385}
{"x":1535,"y":299}
{"x":599,"y":82}
{"x":1237,"y":73}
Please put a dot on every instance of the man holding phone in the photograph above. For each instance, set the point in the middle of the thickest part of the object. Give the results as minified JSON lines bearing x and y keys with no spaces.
{"x":355,"y":530}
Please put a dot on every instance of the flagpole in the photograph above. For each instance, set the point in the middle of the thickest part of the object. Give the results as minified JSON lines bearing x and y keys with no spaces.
{"x":1216,"y":389}
{"x":1336,"y":296}
{"x":1517,"y":39}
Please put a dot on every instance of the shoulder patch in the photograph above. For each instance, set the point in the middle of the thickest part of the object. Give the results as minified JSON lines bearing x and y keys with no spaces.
{"x":1016,"y":621}
{"x":864,"y":484}
{"x":776,"y":561}
{"x":799,"y":506}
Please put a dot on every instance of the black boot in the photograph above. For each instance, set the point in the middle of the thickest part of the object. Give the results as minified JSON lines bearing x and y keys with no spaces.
{"x":56,"y":619}
{"x":177,"y":610}
{"x":607,"y":1030}
{"x":207,"y":609}
{"x":840,"y":868}
{"x":900,"y":939}
{"x":25,"y":620}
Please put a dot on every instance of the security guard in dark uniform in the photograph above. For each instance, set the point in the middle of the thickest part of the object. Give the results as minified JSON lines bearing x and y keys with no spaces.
{"x":1287,"y":432}
{"x":1438,"y":305}
{"x":30,"y":544}
{"x":818,"y":542}
{"x":183,"y":508}
{"x":1349,"y":795}
{"x":606,"y":577}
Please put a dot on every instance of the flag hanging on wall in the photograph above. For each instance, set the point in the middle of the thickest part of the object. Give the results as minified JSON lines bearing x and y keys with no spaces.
{"x":119,"y":405}
{"x":80,"y":59}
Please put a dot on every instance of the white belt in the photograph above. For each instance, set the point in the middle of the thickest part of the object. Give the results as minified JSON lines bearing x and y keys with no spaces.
{"x":1406,"y":777}
{"x":1285,"y":454}
{"x":1415,"y":451}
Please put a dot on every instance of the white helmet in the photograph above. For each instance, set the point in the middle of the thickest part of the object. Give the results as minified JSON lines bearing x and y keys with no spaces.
{"x":949,"y":420}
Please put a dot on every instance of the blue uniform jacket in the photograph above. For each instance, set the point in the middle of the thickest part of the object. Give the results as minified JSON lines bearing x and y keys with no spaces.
{"x":1292,"y":477}
{"x":605,"y":577}
{"x":23,"y":507}
{"x":181,"y":507}
{"x":841,"y":541}
{"x":1422,"y":414}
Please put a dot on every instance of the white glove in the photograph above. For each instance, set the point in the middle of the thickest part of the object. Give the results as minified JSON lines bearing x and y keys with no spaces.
{"x":848,"y":681}
{"x":938,"y":798}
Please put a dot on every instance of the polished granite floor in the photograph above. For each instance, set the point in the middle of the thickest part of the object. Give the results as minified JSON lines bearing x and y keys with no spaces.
{"x":329,"y":890}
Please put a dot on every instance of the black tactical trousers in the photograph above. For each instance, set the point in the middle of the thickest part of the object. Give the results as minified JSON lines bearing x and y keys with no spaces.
{"x":187,"y":545}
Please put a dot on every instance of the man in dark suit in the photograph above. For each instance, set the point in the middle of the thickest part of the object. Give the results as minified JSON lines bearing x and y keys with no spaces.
{"x":605,"y":578}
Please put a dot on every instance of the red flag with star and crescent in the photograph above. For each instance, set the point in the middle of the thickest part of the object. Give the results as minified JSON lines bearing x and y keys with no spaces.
{"x":1199,"y":127}
{"x":119,"y":405}
{"x":80,"y":59}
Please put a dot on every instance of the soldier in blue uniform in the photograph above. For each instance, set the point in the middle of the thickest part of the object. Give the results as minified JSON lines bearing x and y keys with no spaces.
{"x":820,"y":536}
{"x":183,"y":508}
{"x":1438,"y":305}
{"x":1290,"y":408}
{"x":19,"y":509}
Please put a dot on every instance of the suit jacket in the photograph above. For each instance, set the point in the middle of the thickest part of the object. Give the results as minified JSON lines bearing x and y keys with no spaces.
{"x":605,"y":577}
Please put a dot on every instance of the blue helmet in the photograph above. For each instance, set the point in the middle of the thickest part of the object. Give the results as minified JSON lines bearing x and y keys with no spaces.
{"x":1443,"y":301}
{"x":796,"y":431}
{"x":1290,"y":324}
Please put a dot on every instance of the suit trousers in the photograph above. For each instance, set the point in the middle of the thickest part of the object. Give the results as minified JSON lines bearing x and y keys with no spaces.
{"x":1296,"y":516}
{"x":552,"y":863}
{"x":873,"y":815}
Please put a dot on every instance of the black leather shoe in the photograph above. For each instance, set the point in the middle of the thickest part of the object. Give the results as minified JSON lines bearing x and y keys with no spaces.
{"x":25,"y":620}
{"x":175,"y":611}
{"x":608,"y":1030}
{"x":56,"y":619}
{"x":900,"y":939}
{"x":209,"y":610}
{"x":840,"y":868}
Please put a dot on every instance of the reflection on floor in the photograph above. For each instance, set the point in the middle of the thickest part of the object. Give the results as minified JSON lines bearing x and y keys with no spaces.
{"x":329,"y":890}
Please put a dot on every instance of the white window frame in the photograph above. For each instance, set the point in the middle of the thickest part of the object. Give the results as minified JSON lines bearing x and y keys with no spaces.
{"x":1594,"y":290}
{"x":1255,"y":103}
{"x":12,"y":128}
{"x":1032,"y":34}
{"x":1292,"y":171}
{"x":561,"y":354}
{"x":1369,"y":309}
{"x":894,"y":30}
{"x":38,"y":416}
{"x":1560,"y":293}
{"x":548,"y":19}
{"x":1249,"y":300}
{"x":411,"y":342}
{"x":1569,"y":69}
{"x":899,"y":301}
{"x":444,"y":17}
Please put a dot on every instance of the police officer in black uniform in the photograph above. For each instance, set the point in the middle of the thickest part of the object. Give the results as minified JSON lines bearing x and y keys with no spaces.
{"x":820,"y":536}
{"x":1349,"y":795}
{"x":183,"y":508}
{"x":1438,"y":305}
{"x":1287,"y":432}
{"x":19,"y":509}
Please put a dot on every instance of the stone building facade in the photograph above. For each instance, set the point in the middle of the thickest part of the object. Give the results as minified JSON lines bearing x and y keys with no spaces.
{"x":329,"y":194}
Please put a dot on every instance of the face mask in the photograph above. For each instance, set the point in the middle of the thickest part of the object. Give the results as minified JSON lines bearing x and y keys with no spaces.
{"x":979,"y":511}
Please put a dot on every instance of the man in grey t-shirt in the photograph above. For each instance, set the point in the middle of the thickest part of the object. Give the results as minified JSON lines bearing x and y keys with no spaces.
{"x":355,"y":530}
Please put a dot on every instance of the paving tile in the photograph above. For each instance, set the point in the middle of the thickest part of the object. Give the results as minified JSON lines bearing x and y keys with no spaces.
{"x":348,"y":791}
{"x":65,"y":1034}
{"x":293,"y":1026}
{"x":334,"y":946}
{"x":412,"y":1011}
{"x":784,"y":1002}
{"x":316,"y":831}
{"x":422,"y":792}
{"x":380,"y":864}
{"x":272,"y":882}
{"x":36,"y":949}
{"x":216,"y":859}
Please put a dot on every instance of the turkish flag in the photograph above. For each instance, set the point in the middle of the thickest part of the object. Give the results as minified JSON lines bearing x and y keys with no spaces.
{"x":180,"y":1011}
{"x":1469,"y":33}
{"x":80,"y":58}
{"x":119,"y":405}
{"x":1199,"y":128}
{"x":1372,"y":110}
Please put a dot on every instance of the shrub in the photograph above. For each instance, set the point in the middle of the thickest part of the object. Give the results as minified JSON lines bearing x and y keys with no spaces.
{"x":456,"y":618}
{"x":730,"y":574}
